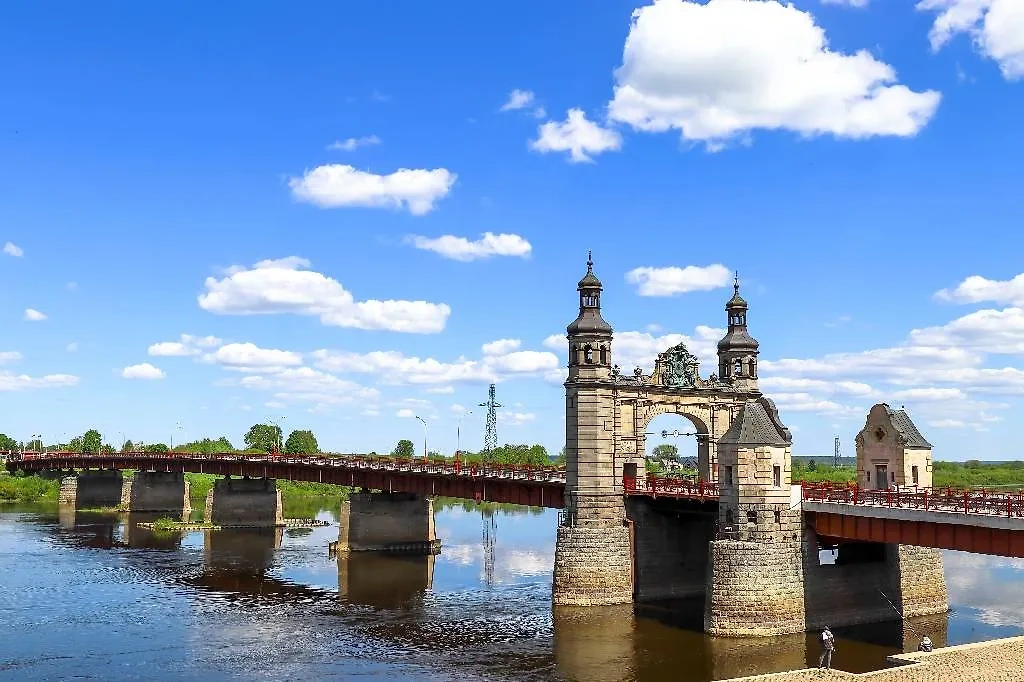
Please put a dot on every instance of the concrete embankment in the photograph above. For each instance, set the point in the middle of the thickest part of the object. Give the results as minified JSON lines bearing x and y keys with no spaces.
{"x":1000,"y":660}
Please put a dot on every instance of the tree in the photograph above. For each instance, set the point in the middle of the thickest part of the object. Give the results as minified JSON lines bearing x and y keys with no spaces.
{"x":157,"y":448}
{"x":7,"y":443}
{"x":265,"y":437}
{"x":537,"y":456}
{"x":92,"y":440}
{"x":404,"y":449}
{"x":76,"y":444}
{"x":128,"y":446}
{"x":812,"y":465}
{"x":301,"y":443}
{"x":209,"y":446}
{"x":666,"y":451}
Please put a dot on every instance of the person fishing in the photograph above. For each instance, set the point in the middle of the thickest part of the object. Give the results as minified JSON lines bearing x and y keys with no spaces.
{"x":828,"y":645}
{"x":926,"y":644}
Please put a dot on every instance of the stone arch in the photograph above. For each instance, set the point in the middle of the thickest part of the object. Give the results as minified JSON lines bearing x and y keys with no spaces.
{"x":694,"y":413}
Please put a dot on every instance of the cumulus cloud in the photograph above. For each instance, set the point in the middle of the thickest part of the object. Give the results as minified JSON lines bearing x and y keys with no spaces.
{"x":996,"y":28}
{"x":308,"y":385}
{"x":719,"y":70}
{"x":501,"y":346}
{"x":405,"y":413}
{"x":990,"y":331}
{"x":287,"y":286}
{"x":339,"y":185}
{"x":462,"y":249}
{"x":33,"y":315}
{"x":353,"y":143}
{"x":248,"y":357}
{"x":518,"y":99}
{"x":9,"y":356}
{"x":394,"y":367}
{"x":670,"y":281}
{"x":12,"y":249}
{"x":22,"y":382}
{"x":978,"y":289}
{"x":143,"y":370}
{"x":185,"y":346}
{"x":579,"y":136}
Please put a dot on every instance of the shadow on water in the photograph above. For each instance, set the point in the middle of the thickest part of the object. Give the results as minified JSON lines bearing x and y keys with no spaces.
{"x":480,"y":609}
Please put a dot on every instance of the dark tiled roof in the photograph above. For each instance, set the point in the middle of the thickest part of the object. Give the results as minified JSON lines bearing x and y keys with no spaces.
{"x":589,"y":281}
{"x":736,"y":301}
{"x":901,"y":422}
{"x":737,"y":338}
{"x":755,"y":426}
{"x":589,"y":320}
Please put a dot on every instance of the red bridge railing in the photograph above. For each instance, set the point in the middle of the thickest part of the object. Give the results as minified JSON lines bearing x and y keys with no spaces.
{"x":973,"y":501}
{"x":656,"y":486}
{"x":518,"y":472}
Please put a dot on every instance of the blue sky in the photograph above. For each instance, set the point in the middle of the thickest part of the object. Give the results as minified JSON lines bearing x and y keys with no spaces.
{"x":306,"y":193}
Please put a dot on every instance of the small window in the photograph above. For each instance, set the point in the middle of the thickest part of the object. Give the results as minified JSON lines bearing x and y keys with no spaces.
{"x":588,"y":354}
{"x":739,"y":368}
{"x":868,"y":473}
{"x":753,"y":368}
{"x":777,"y":476}
{"x":751,"y":516}
{"x":729,"y":519}
{"x":892,"y":476}
{"x":778,"y":516}
{"x":604,"y":355}
{"x":728,"y":475}
{"x":913,"y":473}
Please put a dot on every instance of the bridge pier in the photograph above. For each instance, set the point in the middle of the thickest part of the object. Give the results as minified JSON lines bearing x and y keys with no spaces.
{"x":156,"y":491}
{"x":91,"y":489}
{"x":387,"y":522}
{"x":252,"y":502}
{"x":383,"y":581}
{"x":593,"y":554}
{"x":670,"y":545}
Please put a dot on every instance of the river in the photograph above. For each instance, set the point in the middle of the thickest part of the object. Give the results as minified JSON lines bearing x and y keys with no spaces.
{"x":93,"y":596}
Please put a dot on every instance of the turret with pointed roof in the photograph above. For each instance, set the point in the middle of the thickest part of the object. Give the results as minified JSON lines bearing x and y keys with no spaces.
{"x":738,"y":350}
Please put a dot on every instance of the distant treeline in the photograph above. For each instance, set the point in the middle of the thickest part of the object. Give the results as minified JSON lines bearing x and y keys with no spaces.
{"x":969,"y":474}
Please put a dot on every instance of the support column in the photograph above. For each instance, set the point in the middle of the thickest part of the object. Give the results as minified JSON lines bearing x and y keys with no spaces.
{"x":252,"y":502}
{"x":156,"y":491}
{"x":91,"y":489}
{"x":922,"y":581}
{"x":387,"y":522}
{"x":593,"y":554}
{"x":670,"y":544}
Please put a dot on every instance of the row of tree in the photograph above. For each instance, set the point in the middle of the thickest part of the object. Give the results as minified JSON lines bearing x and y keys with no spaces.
{"x":536,"y":455}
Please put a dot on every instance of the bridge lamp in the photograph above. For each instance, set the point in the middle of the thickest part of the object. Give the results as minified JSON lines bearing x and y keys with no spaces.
{"x":422,"y":421}
{"x":458,"y":433}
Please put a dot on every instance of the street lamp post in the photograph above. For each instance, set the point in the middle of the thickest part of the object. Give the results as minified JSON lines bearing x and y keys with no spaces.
{"x":38,"y":439}
{"x":278,"y":433}
{"x":422,"y":421}
{"x":458,"y":433}
{"x":178,"y":427}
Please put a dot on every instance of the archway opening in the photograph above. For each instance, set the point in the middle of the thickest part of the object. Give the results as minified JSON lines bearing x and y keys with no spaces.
{"x":673,"y":445}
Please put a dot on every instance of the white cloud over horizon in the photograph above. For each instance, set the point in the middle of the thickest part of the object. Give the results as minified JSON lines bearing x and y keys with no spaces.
{"x":339,"y":185}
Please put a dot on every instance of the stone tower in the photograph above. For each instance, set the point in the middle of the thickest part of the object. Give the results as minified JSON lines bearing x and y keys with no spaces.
{"x":756,"y":564}
{"x":737,"y":351}
{"x":891,"y":450}
{"x":593,"y":560}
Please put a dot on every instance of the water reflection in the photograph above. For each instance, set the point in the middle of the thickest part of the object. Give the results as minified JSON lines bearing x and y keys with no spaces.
{"x":480,"y":609}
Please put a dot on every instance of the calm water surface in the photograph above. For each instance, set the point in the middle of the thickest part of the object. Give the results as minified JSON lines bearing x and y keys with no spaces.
{"x":92,"y":596}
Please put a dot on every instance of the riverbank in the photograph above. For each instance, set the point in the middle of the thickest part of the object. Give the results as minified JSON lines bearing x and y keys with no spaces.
{"x":999,"y":660}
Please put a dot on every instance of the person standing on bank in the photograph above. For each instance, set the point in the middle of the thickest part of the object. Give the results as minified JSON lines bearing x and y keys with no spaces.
{"x":926,"y":644}
{"x":828,"y":645}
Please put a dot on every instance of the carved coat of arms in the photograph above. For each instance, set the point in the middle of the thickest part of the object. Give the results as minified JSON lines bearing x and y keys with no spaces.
{"x":678,"y":367}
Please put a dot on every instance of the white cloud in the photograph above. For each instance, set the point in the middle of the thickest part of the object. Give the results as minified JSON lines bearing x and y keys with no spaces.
{"x":337,"y":185}
{"x":274,"y":405}
{"x":72,"y":347}
{"x":805,"y":402}
{"x":719,"y":70}
{"x":185,"y":346}
{"x":33,"y":315}
{"x":443,"y":390}
{"x":12,"y":249}
{"x":990,"y":331}
{"x":248,"y":357}
{"x":9,"y":356}
{"x":577,"y":135}
{"x":929,"y":393}
{"x":947,"y":424}
{"x":639,"y":349}
{"x":353,"y":143}
{"x":143,"y":370}
{"x":501,"y":346}
{"x":978,"y":289}
{"x":405,"y":413}
{"x":285,"y":286}
{"x":996,"y":27}
{"x":790,"y":384}
{"x":673,"y":280}
{"x":21,"y":382}
{"x":393,"y":367}
{"x":462,"y":249}
{"x":516,"y":418}
{"x":518,"y":99}
{"x":305,"y":384}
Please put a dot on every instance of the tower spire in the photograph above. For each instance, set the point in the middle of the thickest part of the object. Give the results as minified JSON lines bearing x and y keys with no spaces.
{"x":736,"y":283}
{"x":590,"y":261}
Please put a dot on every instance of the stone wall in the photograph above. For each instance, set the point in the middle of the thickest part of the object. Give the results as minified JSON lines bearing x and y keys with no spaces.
{"x":593,"y":566}
{"x":244,"y":502}
{"x":91,"y":489}
{"x":754,"y":589}
{"x":387,"y":522}
{"x":922,"y":581}
{"x":156,"y":491}
{"x":670,"y":549}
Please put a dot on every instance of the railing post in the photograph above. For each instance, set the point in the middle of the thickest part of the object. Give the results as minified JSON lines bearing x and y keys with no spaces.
{"x":967,"y":508}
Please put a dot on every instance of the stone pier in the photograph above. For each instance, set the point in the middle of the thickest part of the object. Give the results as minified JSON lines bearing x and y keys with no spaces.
{"x":91,"y":489}
{"x":252,"y":502}
{"x":156,"y":491}
{"x":670,"y":546}
{"x":387,"y":522}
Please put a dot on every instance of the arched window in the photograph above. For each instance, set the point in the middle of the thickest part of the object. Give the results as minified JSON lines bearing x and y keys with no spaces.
{"x":588,"y":354}
{"x":751,"y":516}
{"x":574,"y":352}
{"x":753,"y":368}
{"x":738,"y":369}
{"x":729,"y":517}
{"x":604,"y":355}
